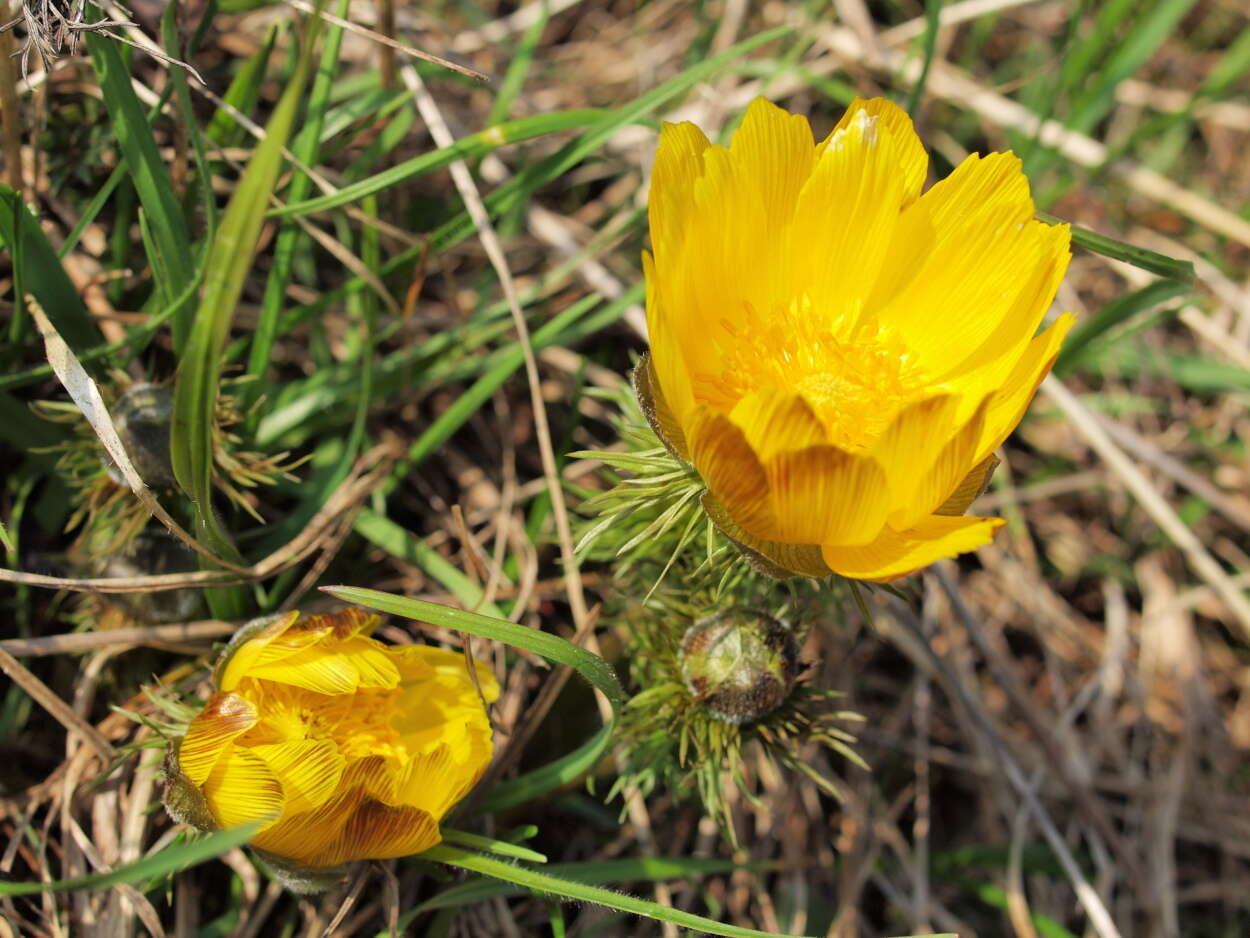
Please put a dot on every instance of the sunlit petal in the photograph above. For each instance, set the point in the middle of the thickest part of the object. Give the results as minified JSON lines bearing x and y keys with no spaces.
{"x":896,"y":553}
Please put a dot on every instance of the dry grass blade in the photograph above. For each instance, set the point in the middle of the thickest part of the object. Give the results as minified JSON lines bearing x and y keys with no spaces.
{"x":387,"y":41}
{"x":75,"y":642}
{"x":56,"y":707}
{"x":370,"y":472}
{"x":1155,"y":504}
{"x":481,"y":219}
{"x":1100,"y":919}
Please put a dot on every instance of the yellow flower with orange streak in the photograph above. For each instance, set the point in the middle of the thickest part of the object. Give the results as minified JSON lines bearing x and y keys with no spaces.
{"x":343,"y":748}
{"x":837,"y":353}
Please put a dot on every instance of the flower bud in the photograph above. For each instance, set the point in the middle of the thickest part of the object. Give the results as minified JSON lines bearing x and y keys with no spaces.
{"x":739,"y":664}
{"x":340,"y":747}
{"x":142,"y":417}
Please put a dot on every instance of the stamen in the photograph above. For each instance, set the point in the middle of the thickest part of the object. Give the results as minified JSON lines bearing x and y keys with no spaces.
{"x":854,"y":384}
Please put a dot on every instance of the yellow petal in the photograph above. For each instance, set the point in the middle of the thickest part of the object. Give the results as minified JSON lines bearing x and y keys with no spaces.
{"x":377,"y":776}
{"x":224,"y":718}
{"x":436,"y":780}
{"x":724,"y":267}
{"x":242,"y":788}
{"x":1008,"y":406}
{"x":673,"y":359}
{"x":939,"y":478}
{"x":773,"y":152}
{"x":774,"y":421}
{"x":678,"y":163}
{"x":305,"y":837}
{"x":913,"y":162}
{"x":309,"y":769}
{"x":913,"y":441}
{"x":980,"y":183}
{"x":330,"y":667}
{"x":823,"y":495}
{"x":993,"y":359}
{"x":240,"y":655}
{"x":445,"y":712}
{"x":451,"y":667}
{"x":847,"y":213}
{"x":731,"y":471}
{"x":896,"y":553}
{"x":983,"y":257}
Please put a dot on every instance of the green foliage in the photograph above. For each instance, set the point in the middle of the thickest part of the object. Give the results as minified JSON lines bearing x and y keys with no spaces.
{"x":674,"y":568}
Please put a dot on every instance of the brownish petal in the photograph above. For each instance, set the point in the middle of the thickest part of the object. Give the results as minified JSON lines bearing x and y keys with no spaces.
{"x":224,"y":718}
{"x":377,"y":831}
{"x":974,"y":483}
{"x":731,"y":471}
{"x":655,"y":408}
{"x":769,"y":557}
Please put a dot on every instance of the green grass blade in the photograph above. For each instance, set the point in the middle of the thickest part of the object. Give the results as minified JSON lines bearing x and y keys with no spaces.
{"x":995,"y":897}
{"x":468,"y":403}
{"x":37,"y":270}
{"x":544,"y":883}
{"x":518,"y":68}
{"x":228,"y":264}
{"x":170,"y":237}
{"x":512,"y":192}
{"x":135,"y":340}
{"x":290,"y":234}
{"x":500,"y":848}
{"x":597,"y":873}
{"x":170,"y":860}
{"x":1232,"y":67}
{"x":105,"y":192}
{"x":472,"y":146}
{"x":547,"y":778}
{"x":384,"y":533}
{"x":1077,"y":346}
{"x":243,"y":93}
{"x":1156,"y":26}
{"x":1152,"y":261}
{"x":932,"y":15}
{"x":178,"y":79}
{"x":590,"y":666}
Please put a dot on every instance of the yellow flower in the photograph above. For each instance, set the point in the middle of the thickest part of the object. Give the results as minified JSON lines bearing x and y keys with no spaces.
{"x":836,"y":353}
{"x":342,"y":747}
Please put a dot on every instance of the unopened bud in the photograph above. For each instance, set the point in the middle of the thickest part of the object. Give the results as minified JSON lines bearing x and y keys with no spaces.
{"x":143,"y":416}
{"x":739,"y":664}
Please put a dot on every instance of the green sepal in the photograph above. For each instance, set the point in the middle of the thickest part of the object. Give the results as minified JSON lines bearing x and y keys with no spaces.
{"x":298,"y":879}
{"x":183,"y":801}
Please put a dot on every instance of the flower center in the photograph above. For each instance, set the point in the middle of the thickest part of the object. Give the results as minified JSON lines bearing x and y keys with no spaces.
{"x":358,"y":724}
{"x":855,"y":382}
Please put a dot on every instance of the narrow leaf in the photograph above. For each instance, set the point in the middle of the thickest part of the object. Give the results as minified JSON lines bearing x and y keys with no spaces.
{"x":544,"y":883}
{"x":227,"y":266}
{"x":1156,"y":263}
{"x":168,"y":861}
{"x":38,"y":271}
{"x":170,"y":236}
